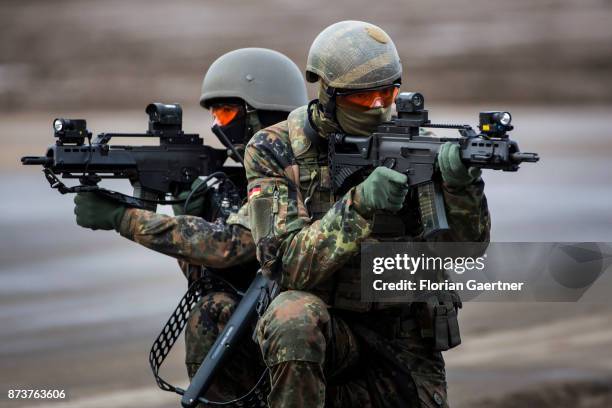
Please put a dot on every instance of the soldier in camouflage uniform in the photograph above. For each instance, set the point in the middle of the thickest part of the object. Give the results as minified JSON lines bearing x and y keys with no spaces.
{"x":245,"y":90}
{"x":323,"y":346}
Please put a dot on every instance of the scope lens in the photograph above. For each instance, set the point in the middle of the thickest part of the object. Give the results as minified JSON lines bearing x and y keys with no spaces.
{"x":58,"y":125}
{"x":417,"y":100}
{"x":505,"y":118}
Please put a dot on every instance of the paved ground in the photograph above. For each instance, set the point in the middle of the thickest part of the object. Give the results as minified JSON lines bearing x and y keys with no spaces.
{"x":79,"y":309}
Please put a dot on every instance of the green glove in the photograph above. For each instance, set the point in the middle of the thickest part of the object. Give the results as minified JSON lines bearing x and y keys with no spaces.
{"x":454,"y":172}
{"x":384,"y":189}
{"x":195,"y":206}
{"x":96,"y":212}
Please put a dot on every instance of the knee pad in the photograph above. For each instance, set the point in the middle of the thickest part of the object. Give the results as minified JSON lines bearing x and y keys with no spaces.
{"x":295,"y":327}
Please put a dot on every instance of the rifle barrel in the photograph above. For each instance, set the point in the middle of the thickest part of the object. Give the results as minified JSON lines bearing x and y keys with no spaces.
{"x":36,"y":160}
{"x":525,"y":157}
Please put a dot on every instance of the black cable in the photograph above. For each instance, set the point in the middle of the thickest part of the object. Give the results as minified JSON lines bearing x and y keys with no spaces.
{"x":204,"y":185}
{"x":239,"y":399}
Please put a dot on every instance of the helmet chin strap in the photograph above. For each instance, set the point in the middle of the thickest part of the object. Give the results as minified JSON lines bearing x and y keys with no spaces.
{"x":253,"y":125}
{"x":330,"y":106}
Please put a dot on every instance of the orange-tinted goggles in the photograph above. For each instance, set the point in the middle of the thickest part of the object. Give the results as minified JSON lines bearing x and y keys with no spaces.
{"x":375,"y":98}
{"x":224,"y":114}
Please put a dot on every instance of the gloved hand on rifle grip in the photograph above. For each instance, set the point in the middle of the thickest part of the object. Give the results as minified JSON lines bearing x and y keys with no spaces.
{"x":96,"y":212}
{"x":384,"y":189}
{"x":195,"y":206}
{"x":454,"y":173}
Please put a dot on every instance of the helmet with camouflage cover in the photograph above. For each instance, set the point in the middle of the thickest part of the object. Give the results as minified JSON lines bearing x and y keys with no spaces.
{"x":263,"y":78}
{"x":352,"y":58}
{"x":353,"y":55}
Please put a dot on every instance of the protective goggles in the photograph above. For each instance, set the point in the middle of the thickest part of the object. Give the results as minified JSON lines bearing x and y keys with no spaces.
{"x":224,"y":114}
{"x":372,"y":98}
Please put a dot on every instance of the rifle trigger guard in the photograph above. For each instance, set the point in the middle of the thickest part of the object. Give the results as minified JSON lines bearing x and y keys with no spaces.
{"x":389,"y":163}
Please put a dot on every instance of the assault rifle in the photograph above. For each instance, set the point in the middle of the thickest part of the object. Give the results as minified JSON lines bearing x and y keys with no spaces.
{"x":254,"y":303}
{"x":398,"y":144}
{"x":154,"y":171}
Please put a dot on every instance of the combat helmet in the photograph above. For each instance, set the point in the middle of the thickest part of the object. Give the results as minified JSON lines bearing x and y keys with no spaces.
{"x":353,"y":55}
{"x":263,"y":78}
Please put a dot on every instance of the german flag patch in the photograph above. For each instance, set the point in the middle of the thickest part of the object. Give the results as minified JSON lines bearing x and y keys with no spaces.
{"x":254,"y":192}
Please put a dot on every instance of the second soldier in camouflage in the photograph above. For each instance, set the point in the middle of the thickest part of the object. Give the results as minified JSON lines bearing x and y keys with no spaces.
{"x":245,"y":90}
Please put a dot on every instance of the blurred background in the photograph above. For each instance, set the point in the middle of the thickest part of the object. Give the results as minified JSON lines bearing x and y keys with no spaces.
{"x":79,"y":309}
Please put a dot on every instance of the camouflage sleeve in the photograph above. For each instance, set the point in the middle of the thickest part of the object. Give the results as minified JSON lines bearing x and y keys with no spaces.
{"x":189,"y":238}
{"x":467,"y":213}
{"x":291,"y":247}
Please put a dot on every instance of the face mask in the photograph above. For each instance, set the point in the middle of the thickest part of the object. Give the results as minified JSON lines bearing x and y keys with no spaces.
{"x":352,"y":121}
{"x":235,"y":131}
{"x":360,"y":122}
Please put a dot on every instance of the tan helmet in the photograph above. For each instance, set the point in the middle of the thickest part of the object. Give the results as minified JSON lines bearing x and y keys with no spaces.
{"x":263,"y":78}
{"x":353,"y":55}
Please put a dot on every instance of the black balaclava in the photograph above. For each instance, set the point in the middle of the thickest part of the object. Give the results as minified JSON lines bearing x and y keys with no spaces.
{"x":248,"y":122}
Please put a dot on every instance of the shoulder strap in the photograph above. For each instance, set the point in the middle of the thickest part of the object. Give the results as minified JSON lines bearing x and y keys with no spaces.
{"x":309,"y":129}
